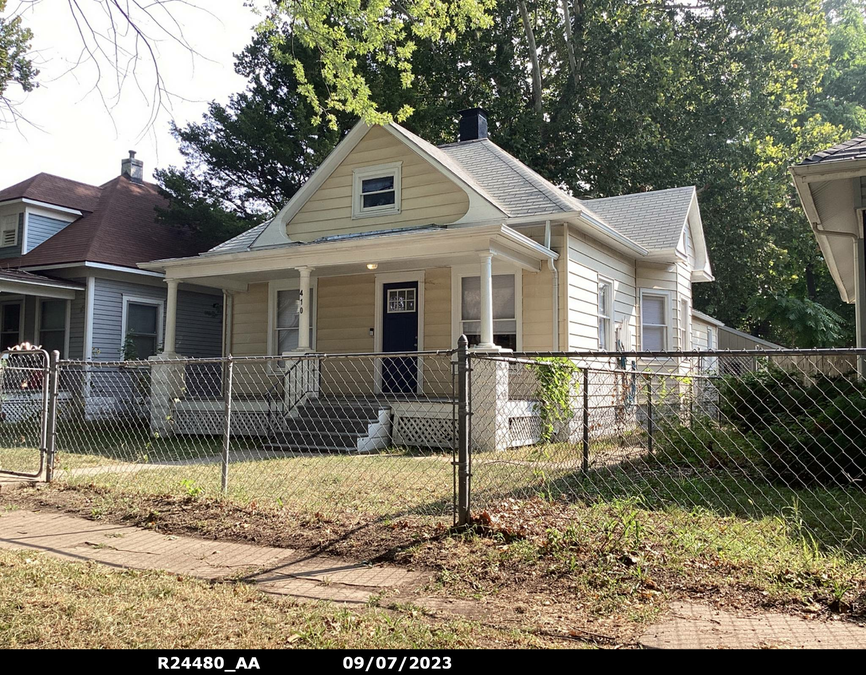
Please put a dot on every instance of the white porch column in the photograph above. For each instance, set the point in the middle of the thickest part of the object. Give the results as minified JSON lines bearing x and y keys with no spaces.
{"x":860,"y":299}
{"x":486,"y":302}
{"x":305,"y":310}
{"x":170,"y":317}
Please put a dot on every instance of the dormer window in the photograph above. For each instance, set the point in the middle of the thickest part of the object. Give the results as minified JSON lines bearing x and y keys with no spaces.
{"x":376,"y":191}
{"x":9,"y":230}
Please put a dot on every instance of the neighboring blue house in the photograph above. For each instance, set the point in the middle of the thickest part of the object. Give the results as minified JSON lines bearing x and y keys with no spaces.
{"x":69,"y":278}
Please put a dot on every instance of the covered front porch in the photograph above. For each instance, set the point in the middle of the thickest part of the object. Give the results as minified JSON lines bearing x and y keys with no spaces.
{"x":310,"y":324}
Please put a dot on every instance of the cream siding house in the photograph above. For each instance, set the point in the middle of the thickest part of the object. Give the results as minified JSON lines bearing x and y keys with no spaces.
{"x":396,"y":245}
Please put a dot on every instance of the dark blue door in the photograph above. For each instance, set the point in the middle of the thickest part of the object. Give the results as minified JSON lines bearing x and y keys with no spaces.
{"x":400,"y":334}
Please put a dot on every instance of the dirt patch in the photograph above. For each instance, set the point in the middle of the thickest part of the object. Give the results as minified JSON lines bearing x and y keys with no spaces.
{"x":599,"y":574}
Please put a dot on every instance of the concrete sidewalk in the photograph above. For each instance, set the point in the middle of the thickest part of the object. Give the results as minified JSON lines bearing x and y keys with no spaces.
{"x":275,"y":570}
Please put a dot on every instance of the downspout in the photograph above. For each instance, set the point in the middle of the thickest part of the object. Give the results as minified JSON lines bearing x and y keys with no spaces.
{"x":551,"y":263}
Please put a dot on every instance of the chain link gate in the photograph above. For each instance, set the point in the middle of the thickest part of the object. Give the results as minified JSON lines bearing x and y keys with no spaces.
{"x":25,"y":400}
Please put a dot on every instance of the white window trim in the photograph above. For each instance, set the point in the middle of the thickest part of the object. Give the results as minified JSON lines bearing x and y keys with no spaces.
{"x":499,"y":267}
{"x":378,"y":171}
{"x":160,"y":319}
{"x":38,"y":323}
{"x":379,"y":317}
{"x":668,"y":316}
{"x":685,"y":323}
{"x":289,"y":285}
{"x":16,"y":217}
{"x":611,"y":347}
{"x":17,"y":301}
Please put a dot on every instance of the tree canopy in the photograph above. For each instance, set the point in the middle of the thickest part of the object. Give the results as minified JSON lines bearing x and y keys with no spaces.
{"x":602,"y":97}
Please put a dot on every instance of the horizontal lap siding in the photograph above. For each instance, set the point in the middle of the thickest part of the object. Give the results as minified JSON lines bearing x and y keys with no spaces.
{"x":699,"y":333}
{"x":588,"y":260}
{"x":538,"y":310}
{"x":427,"y":196}
{"x":40,"y":228}
{"x":437,"y":308}
{"x":199,"y":324}
{"x":108,"y":314}
{"x":249,"y":337}
{"x":346,"y":312}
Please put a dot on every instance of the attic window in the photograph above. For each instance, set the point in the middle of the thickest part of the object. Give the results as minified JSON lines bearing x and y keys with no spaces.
{"x":376,"y":191}
{"x":9,"y":230}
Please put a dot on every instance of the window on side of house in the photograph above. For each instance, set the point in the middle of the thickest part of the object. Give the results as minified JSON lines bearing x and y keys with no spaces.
{"x":10,"y":324}
{"x":52,"y":325}
{"x":654,"y":322}
{"x":376,"y":191}
{"x":9,"y":230}
{"x":142,"y":330}
{"x":711,"y":338}
{"x":605,"y":311}
{"x":504,"y":310}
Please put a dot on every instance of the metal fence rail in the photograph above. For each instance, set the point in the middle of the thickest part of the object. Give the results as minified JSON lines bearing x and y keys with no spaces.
{"x":771,"y":439}
{"x":776,"y":438}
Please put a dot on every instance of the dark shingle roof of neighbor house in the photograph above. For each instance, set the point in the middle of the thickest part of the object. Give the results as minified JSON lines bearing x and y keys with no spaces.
{"x":653,"y":219}
{"x":119,"y":229}
{"x":44,"y":187}
{"x":28,"y":277}
{"x":852,"y":149}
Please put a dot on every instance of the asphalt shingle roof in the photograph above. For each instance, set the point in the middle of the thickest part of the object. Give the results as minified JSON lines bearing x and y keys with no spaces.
{"x":119,"y":228}
{"x":45,"y":187}
{"x":653,"y":219}
{"x":852,"y":149}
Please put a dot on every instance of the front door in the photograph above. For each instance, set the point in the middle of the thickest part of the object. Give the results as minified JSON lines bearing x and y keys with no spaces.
{"x":400,"y":334}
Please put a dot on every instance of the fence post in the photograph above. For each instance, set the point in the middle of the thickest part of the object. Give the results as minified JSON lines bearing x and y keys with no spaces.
{"x":585,"y":464}
{"x":227,"y":431}
{"x":649,"y":412}
{"x":51,"y":418}
{"x":463,"y":412}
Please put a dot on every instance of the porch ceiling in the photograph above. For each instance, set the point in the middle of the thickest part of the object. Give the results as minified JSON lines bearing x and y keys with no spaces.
{"x":441,"y":247}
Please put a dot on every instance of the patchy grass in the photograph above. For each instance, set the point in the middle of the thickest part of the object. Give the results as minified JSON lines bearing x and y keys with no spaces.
{"x":48,"y":603}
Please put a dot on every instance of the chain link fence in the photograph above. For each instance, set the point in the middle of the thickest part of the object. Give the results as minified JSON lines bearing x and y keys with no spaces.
{"x":333,"y":435}
{"x":776,"y":438}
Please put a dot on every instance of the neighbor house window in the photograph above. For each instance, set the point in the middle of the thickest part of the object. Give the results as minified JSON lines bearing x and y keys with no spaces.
{"x":504,"y":310}
{"x":52,"y":325}
{"x":10,"y":324}
{"x":605,"y":310}
{"x":376,"y":191}
{"x":654,"y":322}
{"x":142,"y":321}
{"x":9,"y":230}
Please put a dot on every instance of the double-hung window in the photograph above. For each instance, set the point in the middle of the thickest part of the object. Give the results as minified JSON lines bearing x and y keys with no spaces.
{"x":504,"y":310}
{"x":10,"y":324}
{"x":52,"y":325}
{"x":376,"y":191}
{"x":286,"y":318}
{"x":605,"y":312}
{"x":142,"y":322}
{"x":9,"y":230}
{"x":654,"y":322}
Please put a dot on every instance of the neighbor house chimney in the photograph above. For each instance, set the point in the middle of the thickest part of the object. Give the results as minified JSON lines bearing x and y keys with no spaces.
{"x":132,"y":168}
{"x":473,"y":124}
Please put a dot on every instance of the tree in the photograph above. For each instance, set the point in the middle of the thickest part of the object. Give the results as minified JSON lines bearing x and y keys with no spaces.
{"x":623,"y":96}
{"x":247,"y":158}
{"x":16,"y":66}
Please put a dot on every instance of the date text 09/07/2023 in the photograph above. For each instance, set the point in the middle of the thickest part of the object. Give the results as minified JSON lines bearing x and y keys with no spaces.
{"x":396,"y":663}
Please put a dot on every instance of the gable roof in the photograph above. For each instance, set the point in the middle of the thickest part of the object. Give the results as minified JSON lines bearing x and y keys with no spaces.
{"x":654,"y":219}
{"x":119,"y":229}
{"x":520,"y":190}
{"x":854,"y":148}
{"x":45,"y":187}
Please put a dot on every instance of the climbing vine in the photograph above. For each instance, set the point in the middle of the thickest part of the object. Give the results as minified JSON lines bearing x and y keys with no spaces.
{"x":555,"y":387}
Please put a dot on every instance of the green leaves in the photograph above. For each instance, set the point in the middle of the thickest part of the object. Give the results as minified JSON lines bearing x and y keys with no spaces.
{"x":555,"y":388}
{"x":16,"y":65}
